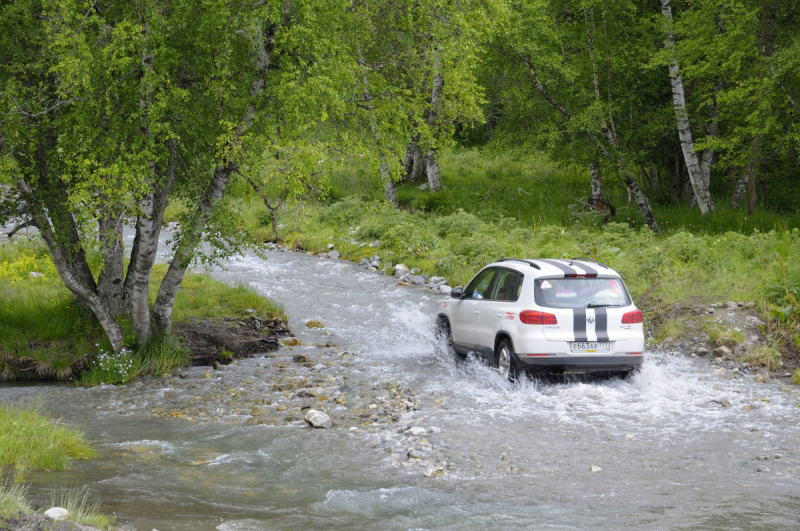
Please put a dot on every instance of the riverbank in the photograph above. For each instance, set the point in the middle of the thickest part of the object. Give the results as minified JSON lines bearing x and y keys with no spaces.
{"x":45,"y":336}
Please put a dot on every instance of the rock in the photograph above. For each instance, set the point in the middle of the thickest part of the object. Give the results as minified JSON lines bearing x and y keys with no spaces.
{"x":434,"y":472}
{"x":362,"y":245}
{"x":314,"y":392}
{"x":376,"y":243}
{"x":416,"y":431}
{"x":423,"y":186}
{"x":331,"y":246}
{"x":595,"y":468}
{"x":445,"y":289}
{"x":750,"y":305}
{"x":399,"y":273}
{"x":629,"y":436}
{"x":375,"y":259}
{"x":402,"y":267}
{"x":281,"y":408}
{"x":722,"y":402}
{"x":416,"y":279}
{"x":415,"y":454}
{"x":763,"y":469}
{"x":252,"y":421}
{"x":318,"y":419}
{"x":315,"y":324}
{"x":731,"y":305}
{"x":722,"y":352}
{"x":322,"y":255}
{"x":436,"y":280}
{"x":56,"y":513}
{"x":702,"y":351}
{"x":414,"y":271}
{"x":34,"y":274}
{"x":299,"y":358}
{"x":166,"y":375}
{"x":206,"y":375}
{"x":364,"y":263}
{"x":217,"y":366}
{"x":435,"y":429}
{"x":289,"y":342}
{"x":372,"y":269}
{"x":740,"y":304}
{"x":333,"y":254}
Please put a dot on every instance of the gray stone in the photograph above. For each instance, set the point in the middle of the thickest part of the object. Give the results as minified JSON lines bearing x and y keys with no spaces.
{"x":445,"y":289}
{"x":436,"y":280}
{"x":372,"y":269}
{"x":364,"y":263}
{"x":318,"y":419}
{"x":331,"y":246}
{"x":56,"y":513}
{"x":423,"y":186}
{"x":763,"y":469}
{"x":362,"y":245}
{"x":333,"y":254}
{"x":402,"y":267}
{"x":426,"y":277}
{"x":732,"y":304}
{"x":416,"y":431}
{"x":34,"y":274}
{"x":415,"y":271}
{"x":375,"y":258}
{"x":376,"y":243}
{"x":701,"y":351}
{"x":722,"y":402}
{"x":416,"y":279}
{"x":750,"y":305}
{"x":399,"y":273}
{"x":439,"y":284}
{"x":323,"y":255}
{"x":415,"y":454}
{"x":405,"y":277}
{"x":722,"y":352}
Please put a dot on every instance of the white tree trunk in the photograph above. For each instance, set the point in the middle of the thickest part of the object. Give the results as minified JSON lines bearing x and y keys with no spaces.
{"x":110,"y":286}
{"x":432,"y":159}
{"x":432,"y":166}
{"x":693,"y":165}
{"x":597,"y":181}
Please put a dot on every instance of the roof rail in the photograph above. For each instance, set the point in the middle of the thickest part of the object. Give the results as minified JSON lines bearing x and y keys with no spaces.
{"x":529,"y":262}
{"x":584,"y":259}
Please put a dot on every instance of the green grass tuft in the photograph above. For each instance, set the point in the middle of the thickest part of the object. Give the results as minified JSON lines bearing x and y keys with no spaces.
{"x":31,"y":440}
{"x":764,"y":356}
{"x":12,"y":500}
{"x":727,"y":337}
{"x":76,"y":501}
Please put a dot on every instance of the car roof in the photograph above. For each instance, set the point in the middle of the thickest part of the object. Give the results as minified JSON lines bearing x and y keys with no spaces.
{"x":546,"y":267}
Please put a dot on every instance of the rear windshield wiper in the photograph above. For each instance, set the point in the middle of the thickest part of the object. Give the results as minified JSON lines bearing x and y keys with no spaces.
{"x":590,"y":305}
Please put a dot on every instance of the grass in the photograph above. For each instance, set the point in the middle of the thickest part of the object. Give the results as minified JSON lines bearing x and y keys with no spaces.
{"x":764,"y":356}
{"x":672,"y":328}
{"x":76,"y":501}
{"x":12,"y":500}
{"x":31,"y":440}
{"x":44,"y":335}
{"x":723,"y":337}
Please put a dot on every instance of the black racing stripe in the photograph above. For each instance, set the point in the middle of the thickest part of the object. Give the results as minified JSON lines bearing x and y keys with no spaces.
{"x":589,"y":270}
{"x":601,"y":324}
{"x":567,"y":270}
{"x":579,"y":324}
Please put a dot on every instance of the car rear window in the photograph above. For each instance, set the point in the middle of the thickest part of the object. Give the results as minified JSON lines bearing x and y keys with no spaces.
{"x":581,"y":292}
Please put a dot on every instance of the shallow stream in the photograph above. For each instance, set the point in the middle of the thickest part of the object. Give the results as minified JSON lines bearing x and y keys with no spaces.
{"x":177,"y":454}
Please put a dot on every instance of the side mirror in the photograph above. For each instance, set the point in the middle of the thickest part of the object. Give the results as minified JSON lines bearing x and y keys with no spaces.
{"x":457,"y":292}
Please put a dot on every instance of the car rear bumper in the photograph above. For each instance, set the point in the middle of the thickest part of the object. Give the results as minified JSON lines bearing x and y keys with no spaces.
{"x":581,"y":364}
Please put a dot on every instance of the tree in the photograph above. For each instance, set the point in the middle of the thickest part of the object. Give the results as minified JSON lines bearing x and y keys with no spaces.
{"x":111,"y":110}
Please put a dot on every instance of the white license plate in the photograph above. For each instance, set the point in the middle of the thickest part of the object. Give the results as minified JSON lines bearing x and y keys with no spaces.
{"x":590,"y":346}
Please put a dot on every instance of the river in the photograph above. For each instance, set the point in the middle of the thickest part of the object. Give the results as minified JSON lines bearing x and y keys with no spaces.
{"x":513,"y":456}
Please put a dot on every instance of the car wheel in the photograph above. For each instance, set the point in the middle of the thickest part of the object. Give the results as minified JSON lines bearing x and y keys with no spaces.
{"x":443,"y":331}
{"x":506,"y":360}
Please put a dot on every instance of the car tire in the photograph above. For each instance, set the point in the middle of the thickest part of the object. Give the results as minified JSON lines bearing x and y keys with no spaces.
{"x":505,"y":360}
{"x":443,"y":331}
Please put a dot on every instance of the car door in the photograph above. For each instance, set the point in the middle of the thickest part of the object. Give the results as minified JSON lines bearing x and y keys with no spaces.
{"x":498,"y":309}
{"x":466,"y":313}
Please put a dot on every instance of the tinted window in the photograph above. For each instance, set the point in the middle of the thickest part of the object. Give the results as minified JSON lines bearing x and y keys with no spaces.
{"x":479,"y":286}
{"x":506,"y":285}
{"x":581,"y":292}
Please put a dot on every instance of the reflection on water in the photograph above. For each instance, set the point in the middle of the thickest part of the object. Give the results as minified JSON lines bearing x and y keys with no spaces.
{"x":517,"y":456}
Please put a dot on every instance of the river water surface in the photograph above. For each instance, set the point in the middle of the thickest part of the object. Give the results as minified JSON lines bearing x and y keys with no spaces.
{"x":516,"y":456}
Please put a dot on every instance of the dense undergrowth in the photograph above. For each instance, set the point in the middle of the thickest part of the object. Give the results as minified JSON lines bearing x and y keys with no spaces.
{"x":45,"y":335}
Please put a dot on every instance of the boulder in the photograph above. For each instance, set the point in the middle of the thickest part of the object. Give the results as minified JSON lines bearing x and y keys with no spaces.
{"x":399,"y":273}
{"x":405,"y":277}
{"x":289,"y":342}
{"x":445,"y":289}
{"x":364,"y":263}
{"x":318,"y":419}
{"x":436,"y":280}
{"x":402,"y":267}
{"x":333,"y":254}
{"x":417,"y":279}
{"x":56,"y":513}
{"x":315,"y":324}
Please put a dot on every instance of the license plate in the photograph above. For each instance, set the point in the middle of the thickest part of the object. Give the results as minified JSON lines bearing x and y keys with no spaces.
{"x":591,"y":346}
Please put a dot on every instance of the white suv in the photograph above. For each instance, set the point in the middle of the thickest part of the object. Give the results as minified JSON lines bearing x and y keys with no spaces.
{"x":546,"y":316}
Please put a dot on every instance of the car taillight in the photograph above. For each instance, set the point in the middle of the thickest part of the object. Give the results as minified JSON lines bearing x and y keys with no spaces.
{"x":633,"y":317}
{"x":575,"y":275}
{"x":532,"y":317}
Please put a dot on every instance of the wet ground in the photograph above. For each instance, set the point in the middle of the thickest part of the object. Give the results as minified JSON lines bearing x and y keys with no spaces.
{"x":684,"y":444}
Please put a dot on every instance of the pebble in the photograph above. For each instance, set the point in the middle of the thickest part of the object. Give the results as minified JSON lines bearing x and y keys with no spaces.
{"x":416,"y":431}
{"x":763,"y":469}
{"x":331,"y":246}
{"x":595,"y":468}
{"x":56,"y":513}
